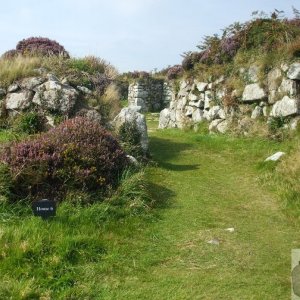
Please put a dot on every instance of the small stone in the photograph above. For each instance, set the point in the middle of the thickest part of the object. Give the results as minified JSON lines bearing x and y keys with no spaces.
{"x":52,"y":77}
{"x":294,"y":124}
{"x":273,"y":78}
{"x":197,"y":116}
{"x":133,"y":160}
{"x":19,"y":101}
{"x":189,"y":111}
{"x":253,"y":92}
{"x":213,"y":125}
{"x":201,"y":86}
{"x":257,"y":112}
{"x":294,"y":71}
{"x":285,"y":107}
{"x":222,"y":127}
{"x":214,"y":242}
{"x":252,"y":73}
{"x":50,"y":121}
{"x":32,"y":82}
{"x":84,"y":90}
{"x":193,"y":97}
{"x":275,"y":156}
{"x":284,"y":67}
{"x":13,"y":88}
{"x":288,"y":87}
{"x":219,"y":80}
{"x":230,"y":229}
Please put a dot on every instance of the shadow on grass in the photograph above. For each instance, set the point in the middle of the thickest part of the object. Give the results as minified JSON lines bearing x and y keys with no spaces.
{"x":166,"y":149}
{"x":162,"y":196}
{"x":173,"y":167}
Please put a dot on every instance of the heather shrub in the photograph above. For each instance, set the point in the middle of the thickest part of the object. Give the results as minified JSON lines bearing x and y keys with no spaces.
{"x":174,"y":72}
{"x":10,"y":54}
{"x":40,"y":46}
{"x":136,"y":75}
{"x":190,"y":59}
{"x":76,"y":155}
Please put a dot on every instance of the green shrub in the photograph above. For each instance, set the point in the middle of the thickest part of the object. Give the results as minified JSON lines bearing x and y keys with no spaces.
{"x":276,"y":123}
{"x":30,"y":123}
{"x":5,"y":181}
{"x":130,"y":138}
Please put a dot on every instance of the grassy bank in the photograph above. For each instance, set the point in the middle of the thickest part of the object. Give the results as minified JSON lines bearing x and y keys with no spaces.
{"x":203,"y":184}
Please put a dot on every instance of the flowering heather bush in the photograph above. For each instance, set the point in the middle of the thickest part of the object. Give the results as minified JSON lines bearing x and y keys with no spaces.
{"x":138,"y":74}
{"x":229,"y":47}
{"x":205,"y":56}
{"x":41,"y":46}
{"x":174,"y":72}
{"x":10,"y":54}
{"x":295,"y":22}
{"x":190,"y":59}
{"x":77,"y":155}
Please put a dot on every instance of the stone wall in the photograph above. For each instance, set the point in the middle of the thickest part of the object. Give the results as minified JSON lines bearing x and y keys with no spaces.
{"x":151,"y":95}
{"x":275,"y":95}
{"x":48,"y":95}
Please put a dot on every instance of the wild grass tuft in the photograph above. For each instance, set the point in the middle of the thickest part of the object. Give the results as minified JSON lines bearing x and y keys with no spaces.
{"x":16,"y":68}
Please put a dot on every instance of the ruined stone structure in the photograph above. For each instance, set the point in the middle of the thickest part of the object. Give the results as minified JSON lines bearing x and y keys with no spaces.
{"x":151,"y":95}
{"x":275,"y":96}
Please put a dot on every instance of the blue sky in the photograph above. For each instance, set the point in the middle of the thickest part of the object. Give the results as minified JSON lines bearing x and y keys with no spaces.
{"x":131,"y":34}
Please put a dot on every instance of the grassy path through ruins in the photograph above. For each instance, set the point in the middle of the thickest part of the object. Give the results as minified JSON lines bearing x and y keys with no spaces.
{"x":205,"y":184}
{"x":208,"y":184}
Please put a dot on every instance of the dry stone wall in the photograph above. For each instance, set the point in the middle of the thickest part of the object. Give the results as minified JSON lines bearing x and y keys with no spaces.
{"x":150,"y":95}
{"x":48,"y":95}
{"x":276,"y":95}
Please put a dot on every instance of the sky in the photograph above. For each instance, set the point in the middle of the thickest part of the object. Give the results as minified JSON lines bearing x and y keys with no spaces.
{"x":130,"y":34}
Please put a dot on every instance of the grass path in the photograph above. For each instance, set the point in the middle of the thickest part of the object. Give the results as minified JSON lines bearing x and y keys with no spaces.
{"x":209,"y":184}
{"x":204,"y":185}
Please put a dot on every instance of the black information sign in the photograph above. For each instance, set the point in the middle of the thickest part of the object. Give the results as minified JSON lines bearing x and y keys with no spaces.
{"x":44,"y":208}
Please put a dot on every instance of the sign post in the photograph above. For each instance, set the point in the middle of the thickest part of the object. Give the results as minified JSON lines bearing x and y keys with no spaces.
{"x":44,"y":208}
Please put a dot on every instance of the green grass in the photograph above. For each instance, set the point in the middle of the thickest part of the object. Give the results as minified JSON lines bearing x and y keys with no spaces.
{"x":203,"y":184}
{"x":9,"y":135}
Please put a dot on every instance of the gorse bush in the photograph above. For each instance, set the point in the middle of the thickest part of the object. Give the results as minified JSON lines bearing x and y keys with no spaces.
{"x":78,"y":154}
{"x":40,"y":46}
